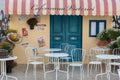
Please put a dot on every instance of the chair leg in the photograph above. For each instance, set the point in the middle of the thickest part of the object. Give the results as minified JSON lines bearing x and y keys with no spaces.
{"x":114,"y":69}
{"x":91,"y":66}
{"x":96,"y":67}
{"x":66,"y":63}
{"x":26,"y":70}
{"x":81,"y":72}
{"x":62,"y":63}
{"x":101,"y":70}
{"x":119,"y":74}
{"x":88,"y":72}
{"x":72,"y":71}
{"x":34,"y":71}
{"x":44,"y":72}
{"x":68,"y":72}
{"x":95,"y":77}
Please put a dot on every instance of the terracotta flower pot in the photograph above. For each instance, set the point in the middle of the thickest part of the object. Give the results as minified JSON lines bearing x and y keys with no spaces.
{"x":102,"y":43}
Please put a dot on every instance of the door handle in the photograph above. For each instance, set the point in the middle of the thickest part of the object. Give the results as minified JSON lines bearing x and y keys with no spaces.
{"x":57,"y":38}
{"x":73,"y":38}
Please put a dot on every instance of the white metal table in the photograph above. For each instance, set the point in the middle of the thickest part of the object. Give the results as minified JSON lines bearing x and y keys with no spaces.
{"x":108,"y":58}
{"x":56,"y":57}
{"x":51,"y":50}
{"x":3,"y":67}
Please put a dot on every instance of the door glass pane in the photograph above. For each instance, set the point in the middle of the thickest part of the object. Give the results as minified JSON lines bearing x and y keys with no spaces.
{"x":57,"y":25}
{"x":73,"y":24}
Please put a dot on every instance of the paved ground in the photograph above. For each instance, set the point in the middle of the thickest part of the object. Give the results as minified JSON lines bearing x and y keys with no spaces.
{"x":19,"y":72}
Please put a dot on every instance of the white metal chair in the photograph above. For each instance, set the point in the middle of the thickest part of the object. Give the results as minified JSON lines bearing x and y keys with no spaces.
{"x":63,"y":47}
{"x":32,"y":58}
{"x":78,"y":57}
{"x":94,"y":63}
{"x":67,"y":49}
{"x":115,"y":62}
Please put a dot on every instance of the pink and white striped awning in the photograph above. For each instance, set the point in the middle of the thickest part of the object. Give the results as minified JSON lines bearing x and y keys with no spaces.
{"x":63,"y":7}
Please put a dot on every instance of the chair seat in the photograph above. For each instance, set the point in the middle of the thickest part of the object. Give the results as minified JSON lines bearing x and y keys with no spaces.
{"x":36,"y":62}
{"x":95,"y":62}
{"x":76,"y":64}
{"x":115,"y":63}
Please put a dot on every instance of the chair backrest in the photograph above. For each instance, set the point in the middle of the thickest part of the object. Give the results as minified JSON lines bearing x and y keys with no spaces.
{"x":94,"y":52}
{"x":116,"y":51}
{"x":78,"y":55}
{"x":69,"y":49}
{"x":30,"y":52}
{"x":63,"y":47}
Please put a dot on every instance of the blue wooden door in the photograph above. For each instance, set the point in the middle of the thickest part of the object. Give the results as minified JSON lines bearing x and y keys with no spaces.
{"x":65,"y":29}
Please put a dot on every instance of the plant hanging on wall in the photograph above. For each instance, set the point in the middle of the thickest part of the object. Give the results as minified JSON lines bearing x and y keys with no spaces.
{"x":32,"y":22}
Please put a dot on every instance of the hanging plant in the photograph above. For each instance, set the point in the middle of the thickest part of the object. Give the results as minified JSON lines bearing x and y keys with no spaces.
{"x":32,"y":22}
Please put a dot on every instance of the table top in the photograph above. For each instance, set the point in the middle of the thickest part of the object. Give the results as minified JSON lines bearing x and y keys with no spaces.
{"x":101,"y":48}
{"x":8,"y":58}
{"x":52,"y":49}
{"x":56,"y":55}
{"x":107,"y":56}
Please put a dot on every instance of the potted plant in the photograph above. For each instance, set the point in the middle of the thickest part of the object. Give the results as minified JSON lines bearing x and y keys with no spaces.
{"x":103,"y":38}
{"x":113,"y":44}
{"x":9,"y":65}
{"x":118,"y":42}
{"x":107,"y":36}
{"x":113,"y":33}
{"x":32,"y":22}
{"x":7,"y":45}
{"x":103,"y":35}
{"x":10,"y":30}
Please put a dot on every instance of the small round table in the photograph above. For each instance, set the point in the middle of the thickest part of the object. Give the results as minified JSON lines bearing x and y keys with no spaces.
{"x":3,"y":67}
{"x":108,"y":58}
{"x":51,"y":50}
{"x":56,"y":57}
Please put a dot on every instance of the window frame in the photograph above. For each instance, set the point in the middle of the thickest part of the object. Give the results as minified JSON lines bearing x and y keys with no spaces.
{"x":97,"y":27}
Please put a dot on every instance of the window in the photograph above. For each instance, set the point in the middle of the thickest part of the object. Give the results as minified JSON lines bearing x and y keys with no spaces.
{"x":96,"y":26}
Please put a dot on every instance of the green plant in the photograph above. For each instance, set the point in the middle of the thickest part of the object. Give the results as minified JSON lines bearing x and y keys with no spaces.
{"x":113,"y":45}
{"x":118,"y":41}
{"x":10,"y":30}
{"x":103,"y":35}
{"x":113,"y":33}
{"x":108,"y":34}
{"x":6,"y":45}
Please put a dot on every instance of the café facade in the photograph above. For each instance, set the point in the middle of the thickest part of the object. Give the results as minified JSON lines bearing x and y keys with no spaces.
{"x":60,"y":21}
